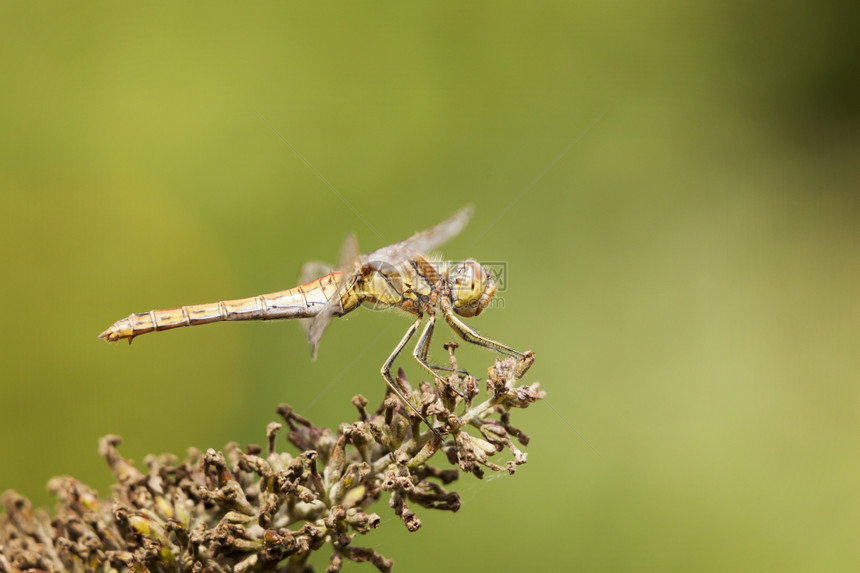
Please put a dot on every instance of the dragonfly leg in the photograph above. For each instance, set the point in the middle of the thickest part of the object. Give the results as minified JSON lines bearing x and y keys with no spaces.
{"x":386,"y":374}
{"x":423,"y":347}
{"x":460,"y":371}
{"x":470,"y":335}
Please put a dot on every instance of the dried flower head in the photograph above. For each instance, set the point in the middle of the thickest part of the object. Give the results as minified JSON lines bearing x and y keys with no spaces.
{"x":269,"y":511}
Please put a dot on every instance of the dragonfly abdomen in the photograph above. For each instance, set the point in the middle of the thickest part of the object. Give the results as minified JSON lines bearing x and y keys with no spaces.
{"x":304,"y":301}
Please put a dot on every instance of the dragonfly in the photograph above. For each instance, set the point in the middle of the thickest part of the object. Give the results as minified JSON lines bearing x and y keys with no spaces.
{"x":399,"y":276}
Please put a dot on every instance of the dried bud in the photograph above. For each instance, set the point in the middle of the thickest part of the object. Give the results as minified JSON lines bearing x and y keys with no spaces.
{"x":236,"y":510}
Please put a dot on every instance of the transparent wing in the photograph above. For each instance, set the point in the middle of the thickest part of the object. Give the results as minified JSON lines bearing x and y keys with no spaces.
{"x":349,"y":254}
{"x":424,"y":241}
{"x":351,"y":262}
{"x":312,"y":270}
{"x":349,"y":257}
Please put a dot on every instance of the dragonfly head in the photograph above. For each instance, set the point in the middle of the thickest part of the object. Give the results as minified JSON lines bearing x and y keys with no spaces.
{"x":472,"y":287}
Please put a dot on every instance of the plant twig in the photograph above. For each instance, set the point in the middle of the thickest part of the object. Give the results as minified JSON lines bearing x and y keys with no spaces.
{"x":242,"y":510}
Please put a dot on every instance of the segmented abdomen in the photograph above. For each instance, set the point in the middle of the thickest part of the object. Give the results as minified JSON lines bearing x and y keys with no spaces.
{"x":302,"y":301}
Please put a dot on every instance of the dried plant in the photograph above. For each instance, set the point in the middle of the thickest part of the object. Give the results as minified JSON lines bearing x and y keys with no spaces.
{"x":246,"y":511}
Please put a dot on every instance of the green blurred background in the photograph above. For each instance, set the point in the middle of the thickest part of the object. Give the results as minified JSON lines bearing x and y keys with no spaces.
{"x":687,"y":272}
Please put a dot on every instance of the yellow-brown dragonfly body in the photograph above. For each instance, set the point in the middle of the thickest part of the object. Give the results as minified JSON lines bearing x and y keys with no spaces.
{"x":397,"y":276}
{"x":303,"y":301}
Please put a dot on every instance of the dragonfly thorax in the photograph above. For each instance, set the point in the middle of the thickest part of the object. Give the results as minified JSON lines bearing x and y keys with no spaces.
{"x":409,"y":285}
{"x":471,"y":287}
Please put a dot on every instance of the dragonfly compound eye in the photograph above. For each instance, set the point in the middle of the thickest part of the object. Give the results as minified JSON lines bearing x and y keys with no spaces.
{"x":472,"y":286}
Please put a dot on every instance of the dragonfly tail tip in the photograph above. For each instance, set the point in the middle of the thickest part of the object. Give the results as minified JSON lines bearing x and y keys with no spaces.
{"x":111,"y":335}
